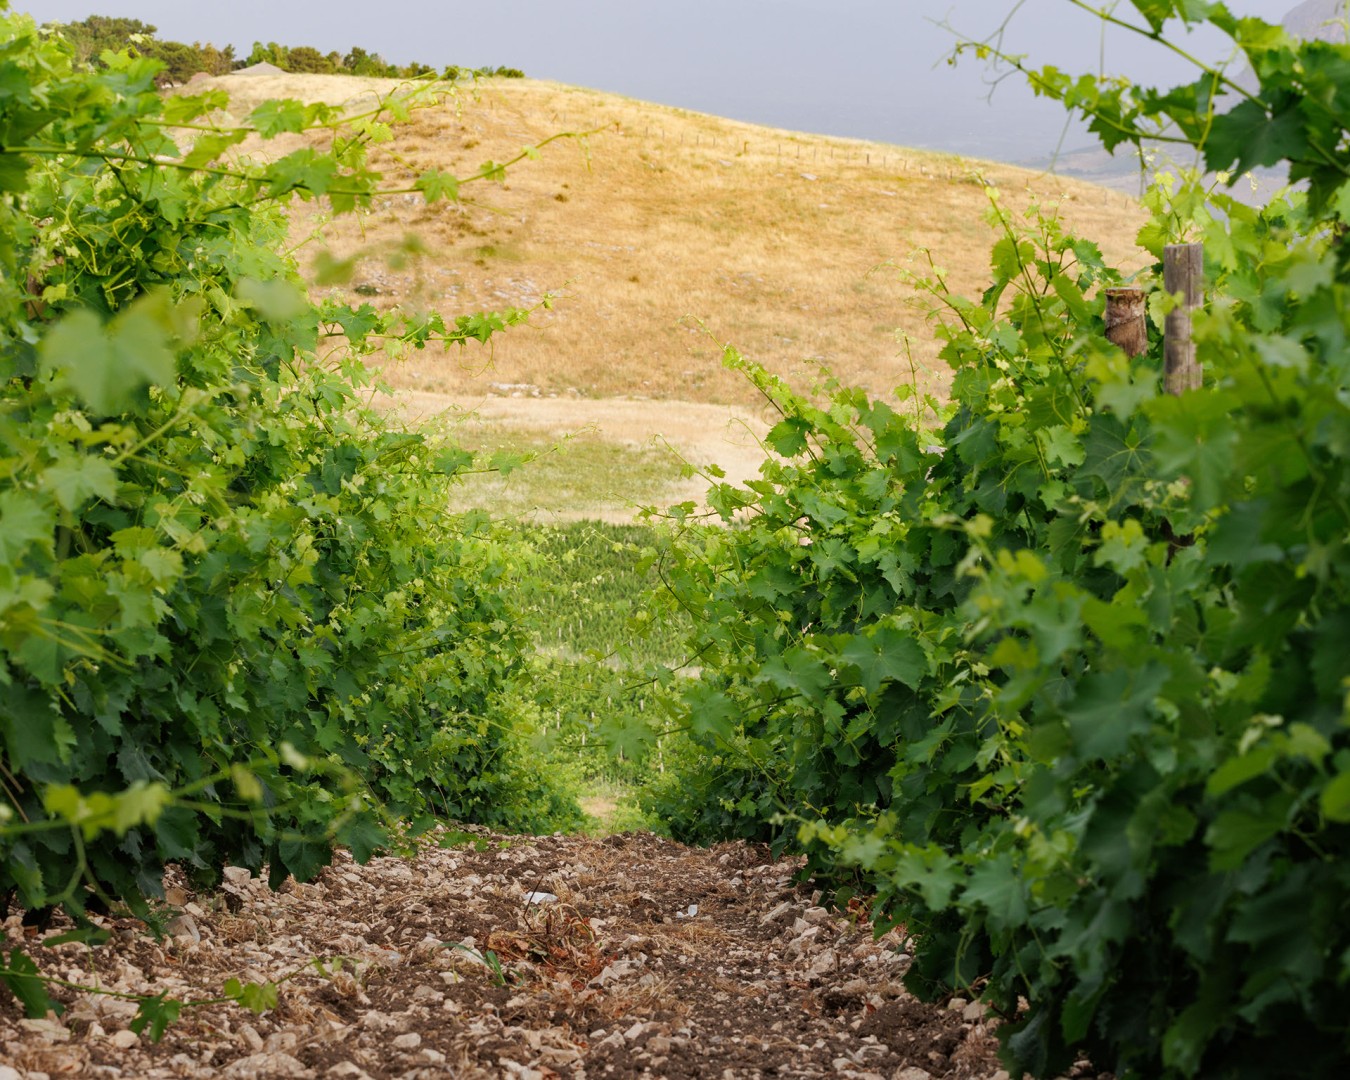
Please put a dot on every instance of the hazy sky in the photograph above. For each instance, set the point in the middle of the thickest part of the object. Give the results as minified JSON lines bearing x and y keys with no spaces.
{"x":868,"y":68}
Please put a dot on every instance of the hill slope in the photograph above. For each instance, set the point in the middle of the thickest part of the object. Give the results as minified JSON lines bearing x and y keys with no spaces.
{"x":771,"y":237}
{"x":666,"y":233}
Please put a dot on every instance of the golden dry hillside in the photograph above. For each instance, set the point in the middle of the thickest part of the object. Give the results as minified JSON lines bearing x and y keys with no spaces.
{"x":776,"y":241}
{"x":664,"y":233}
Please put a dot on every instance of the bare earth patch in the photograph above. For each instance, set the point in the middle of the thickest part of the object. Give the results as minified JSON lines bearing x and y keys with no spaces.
{"x":644,"y":958}
{"x":727,"y":436}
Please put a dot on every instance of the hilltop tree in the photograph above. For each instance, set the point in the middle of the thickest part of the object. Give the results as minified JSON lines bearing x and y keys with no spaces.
{"x":360,"y":62}
{"x":271,"y":53}
{"x":92,"y":36}
{"x":307,"y":60}
{"x":216,"y":61}
{"x":181,"y":62}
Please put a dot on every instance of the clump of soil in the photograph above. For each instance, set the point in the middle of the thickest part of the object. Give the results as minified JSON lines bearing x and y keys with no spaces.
{"x":531,"y":957}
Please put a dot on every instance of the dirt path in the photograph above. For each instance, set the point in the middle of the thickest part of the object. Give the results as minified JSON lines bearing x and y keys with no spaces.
{"x":729,"y":436}
{"x":645,"y":958}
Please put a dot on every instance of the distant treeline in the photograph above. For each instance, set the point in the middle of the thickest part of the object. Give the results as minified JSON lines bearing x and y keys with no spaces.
{"x":91,"y":37}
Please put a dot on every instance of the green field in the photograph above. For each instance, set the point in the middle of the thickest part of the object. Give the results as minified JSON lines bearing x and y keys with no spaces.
{"x":591,"y":686}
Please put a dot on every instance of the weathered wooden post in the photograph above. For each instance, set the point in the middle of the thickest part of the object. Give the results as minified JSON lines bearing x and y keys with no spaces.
{"x":1126,"y":324}
{"x":1184,"y":275}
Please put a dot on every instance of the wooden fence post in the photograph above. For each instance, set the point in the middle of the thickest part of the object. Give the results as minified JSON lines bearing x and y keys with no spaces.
{"x":1184,"y":275}
{"x":1126,"y":325}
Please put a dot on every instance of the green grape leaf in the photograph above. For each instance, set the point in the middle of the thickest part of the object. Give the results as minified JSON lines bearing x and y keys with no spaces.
{"x":1335,"y":798}
{"x":282,"y":116}
{"x":1235,"y":834}
{"x":14,"y":170}
{"x":1248,"y":136}
{"x":1237,"y":771}
{"x":155,"y":1014}
{"x":886,"y":654}
{"x":277,"y":301}
{"x":75,"y":480}
{"x":34,"y":731}
{"x":710,"y":712}
{"x":788,"y":437}
{"x":1060,"y":445}
{"x":211,"y":145}
{"x":257,"y":998}
{"x":995,"y":886}
{"x":363,"y":836}
{"x":19,"y":974}
{"x":24,"y":519}
{"x":106,"y":365}
{"x":626,"y":738}
{"x":798,"y":671}
{"x":434,"y":184}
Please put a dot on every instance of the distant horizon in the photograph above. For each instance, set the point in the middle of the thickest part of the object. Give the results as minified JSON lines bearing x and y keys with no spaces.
{"x":869,"y":69}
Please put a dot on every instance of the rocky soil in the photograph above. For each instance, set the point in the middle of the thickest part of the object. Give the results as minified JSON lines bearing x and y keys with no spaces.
{"x":502,"y":956}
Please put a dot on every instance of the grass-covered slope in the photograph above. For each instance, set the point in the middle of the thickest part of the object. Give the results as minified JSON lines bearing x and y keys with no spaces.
{"x":772,"y":237}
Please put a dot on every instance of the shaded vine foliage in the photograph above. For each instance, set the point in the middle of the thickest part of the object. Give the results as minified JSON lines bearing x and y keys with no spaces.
{"x":1061,"y":669}
{"x":237,"y":624}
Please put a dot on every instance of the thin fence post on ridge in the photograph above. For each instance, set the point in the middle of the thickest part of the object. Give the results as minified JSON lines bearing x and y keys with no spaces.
{"x":1183,"y":275}
{"x":1126,"y":325}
